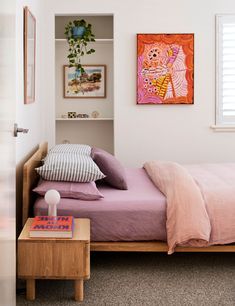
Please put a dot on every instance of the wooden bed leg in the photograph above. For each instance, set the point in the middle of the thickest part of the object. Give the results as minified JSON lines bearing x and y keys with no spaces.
{"x":78,"y":290}
{"x":30,"y":289}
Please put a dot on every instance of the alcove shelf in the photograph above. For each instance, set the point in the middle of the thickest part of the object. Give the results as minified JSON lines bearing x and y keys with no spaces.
{"x":97,"y":132}
{"x":83,"y":119}
{"x":98,"y":40}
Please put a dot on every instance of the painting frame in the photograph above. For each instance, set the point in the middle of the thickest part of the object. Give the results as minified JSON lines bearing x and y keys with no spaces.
{"x":29,"y":56}
{"x":165,"y":69}
{"x":90,"y":89}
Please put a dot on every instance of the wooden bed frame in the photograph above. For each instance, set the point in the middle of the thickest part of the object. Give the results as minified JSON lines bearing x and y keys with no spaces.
{"x":30,"y":179}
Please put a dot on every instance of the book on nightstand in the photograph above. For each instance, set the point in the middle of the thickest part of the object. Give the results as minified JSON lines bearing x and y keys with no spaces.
{"x":52,"y":227}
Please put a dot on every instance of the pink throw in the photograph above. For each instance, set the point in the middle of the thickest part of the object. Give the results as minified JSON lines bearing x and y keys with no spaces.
{"x":187,"y":219}
{"x":217,"y":184}
{"x":200,"y":202}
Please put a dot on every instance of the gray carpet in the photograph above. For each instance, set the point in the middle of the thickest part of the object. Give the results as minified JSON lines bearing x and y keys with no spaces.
{"x":147,"y":279}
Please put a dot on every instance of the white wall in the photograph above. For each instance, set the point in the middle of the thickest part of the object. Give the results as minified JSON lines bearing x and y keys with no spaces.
{"x":29,"y":115}
{"x":144,"y":132}
{"x":94,"y":133}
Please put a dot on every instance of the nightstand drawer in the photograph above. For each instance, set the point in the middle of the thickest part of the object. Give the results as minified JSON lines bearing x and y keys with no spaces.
{"x":53,"y":259}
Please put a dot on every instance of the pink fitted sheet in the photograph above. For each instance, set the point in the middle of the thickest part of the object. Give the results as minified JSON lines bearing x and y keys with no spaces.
{"x":136,"y":214}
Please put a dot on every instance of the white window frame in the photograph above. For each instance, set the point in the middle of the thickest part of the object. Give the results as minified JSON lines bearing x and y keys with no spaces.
{"x":228,"y":122}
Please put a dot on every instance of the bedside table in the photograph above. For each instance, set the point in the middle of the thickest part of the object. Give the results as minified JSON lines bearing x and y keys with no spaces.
{"x":55,"y":258}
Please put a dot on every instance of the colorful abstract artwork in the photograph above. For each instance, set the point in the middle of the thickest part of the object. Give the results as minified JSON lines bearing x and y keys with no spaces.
{"x":165,"y":64}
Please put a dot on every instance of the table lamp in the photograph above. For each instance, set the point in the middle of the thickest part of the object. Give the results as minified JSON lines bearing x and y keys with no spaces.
{"x":52,"y":198}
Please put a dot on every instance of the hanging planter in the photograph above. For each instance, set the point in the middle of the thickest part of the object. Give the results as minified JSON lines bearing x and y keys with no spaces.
{"x":78,"y":34}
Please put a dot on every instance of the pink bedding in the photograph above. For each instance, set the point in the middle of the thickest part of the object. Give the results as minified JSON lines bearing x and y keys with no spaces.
{"x":200,"y":202}
{"x":136,"y":214}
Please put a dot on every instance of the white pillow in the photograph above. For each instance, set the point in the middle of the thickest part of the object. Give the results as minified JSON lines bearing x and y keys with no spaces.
{"x":71,"y":148}
{"x":69,"y":167}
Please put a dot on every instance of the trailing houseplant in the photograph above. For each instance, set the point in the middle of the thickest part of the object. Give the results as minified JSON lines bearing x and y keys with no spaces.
{"x":78,"y":34}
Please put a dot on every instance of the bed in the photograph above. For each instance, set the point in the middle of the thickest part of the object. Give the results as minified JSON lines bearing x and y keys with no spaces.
{"x":122,"y":215}
{"x":133,"y":217}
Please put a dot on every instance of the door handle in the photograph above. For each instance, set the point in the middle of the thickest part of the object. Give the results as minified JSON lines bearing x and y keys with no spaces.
{"x":19,"y":130}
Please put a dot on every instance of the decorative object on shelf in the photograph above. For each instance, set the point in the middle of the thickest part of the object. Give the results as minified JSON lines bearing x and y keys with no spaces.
{"x":165,"y":66}
{"x":52,"y":198}
{"x":78,"y":34}
{"x":64,"y":116}
{"x":65,"y":141}
{"x":29,"y":56}
{"x":72,"y":115}
{"x":82,"y":116}
{"x":95,"y":114}
{"x":91,"y":84}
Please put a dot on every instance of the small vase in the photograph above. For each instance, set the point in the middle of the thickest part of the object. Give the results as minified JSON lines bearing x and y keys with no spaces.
{"x":78,"y":32}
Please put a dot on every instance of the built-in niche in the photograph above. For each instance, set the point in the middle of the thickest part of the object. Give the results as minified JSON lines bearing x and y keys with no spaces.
{"x":94,"y":122}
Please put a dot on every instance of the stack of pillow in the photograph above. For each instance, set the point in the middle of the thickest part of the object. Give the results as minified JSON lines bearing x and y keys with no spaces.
{"x":70,"y":163}
{"x":72,"y":169}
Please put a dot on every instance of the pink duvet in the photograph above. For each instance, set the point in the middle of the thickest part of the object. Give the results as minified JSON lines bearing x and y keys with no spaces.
{"x":200,"y":202}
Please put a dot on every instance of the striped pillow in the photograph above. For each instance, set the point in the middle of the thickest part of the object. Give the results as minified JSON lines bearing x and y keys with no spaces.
{"x":71,"y":148}
{"x":69,"y":167}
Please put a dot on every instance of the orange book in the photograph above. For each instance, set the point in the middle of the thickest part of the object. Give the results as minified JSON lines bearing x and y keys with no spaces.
{"x":53,"y":227}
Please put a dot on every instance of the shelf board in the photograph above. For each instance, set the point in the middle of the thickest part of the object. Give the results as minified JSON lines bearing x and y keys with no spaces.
{"x":84,"y":119}
{"x":98,"y":40}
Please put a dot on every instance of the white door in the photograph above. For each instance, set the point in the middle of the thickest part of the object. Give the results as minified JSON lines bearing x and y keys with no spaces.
{"x":7,"y":152}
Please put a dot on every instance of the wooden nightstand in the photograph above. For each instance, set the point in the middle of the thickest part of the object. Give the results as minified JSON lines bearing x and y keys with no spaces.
{"x":55,"y":258}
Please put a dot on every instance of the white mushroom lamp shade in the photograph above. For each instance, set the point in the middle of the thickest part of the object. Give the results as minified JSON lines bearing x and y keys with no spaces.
{"x":52,"y":198}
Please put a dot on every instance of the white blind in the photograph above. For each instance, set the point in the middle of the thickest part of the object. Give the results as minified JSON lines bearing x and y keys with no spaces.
{"x":225,"y":76}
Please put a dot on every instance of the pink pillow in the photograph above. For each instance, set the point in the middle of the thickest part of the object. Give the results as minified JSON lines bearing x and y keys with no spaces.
{"x":111,"y":167}
{"x":81,"y":191}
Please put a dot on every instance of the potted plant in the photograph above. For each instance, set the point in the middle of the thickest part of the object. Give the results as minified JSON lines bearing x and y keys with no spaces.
{"x":78,"y":34}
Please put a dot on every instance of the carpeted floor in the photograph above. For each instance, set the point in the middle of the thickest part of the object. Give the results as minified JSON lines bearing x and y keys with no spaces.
{"x":147,"y":279}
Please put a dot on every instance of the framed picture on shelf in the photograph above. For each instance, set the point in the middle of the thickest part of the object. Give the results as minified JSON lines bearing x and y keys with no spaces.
{"x":29,"y":56}
{"x":90,"y":84}
{"x":165,"y":68}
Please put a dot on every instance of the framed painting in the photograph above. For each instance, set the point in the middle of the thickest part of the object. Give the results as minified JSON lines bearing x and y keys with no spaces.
{"x":165,"y":67}
{"x":29,"y":56}
{"x":90,"y":84}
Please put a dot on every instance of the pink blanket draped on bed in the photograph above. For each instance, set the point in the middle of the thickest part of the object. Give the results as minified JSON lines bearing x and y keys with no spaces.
{"x":200,"y":202}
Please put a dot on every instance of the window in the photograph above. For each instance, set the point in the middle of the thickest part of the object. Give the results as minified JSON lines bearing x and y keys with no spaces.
{"x":225,"y":74}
